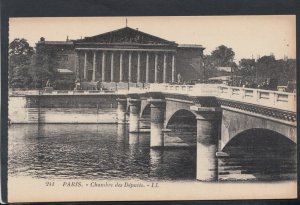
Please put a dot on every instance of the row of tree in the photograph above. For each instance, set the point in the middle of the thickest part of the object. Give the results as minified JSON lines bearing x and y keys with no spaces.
{"x":252,"y":71}
{"x":28,"y":69}
{"x":256,"y":71}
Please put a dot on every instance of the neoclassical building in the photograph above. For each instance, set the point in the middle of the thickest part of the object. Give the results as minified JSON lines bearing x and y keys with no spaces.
{"x":127,"y":55}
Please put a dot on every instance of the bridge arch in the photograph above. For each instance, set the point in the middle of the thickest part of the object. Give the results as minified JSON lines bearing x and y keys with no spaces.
{"x":181,"y":118}
{"x":145,"y":114}
{"x":145,"y":108}
{"x":260,"y":134}
{"x":181,"y":128}
{"x":260,"y":154}
{"x":173,"y":106}
{"x":234,"y":123}
{"x":146,"y":111}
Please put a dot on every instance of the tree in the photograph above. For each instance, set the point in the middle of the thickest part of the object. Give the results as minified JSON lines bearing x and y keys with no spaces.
{"x":284,"y":71}
{"x":247,"y":67}
{"x":20,"y":53}
{"x":43,"y":67}
{"x":223,"y":56}
{"x":290,"y":71}
{"x":20,"y":47}
{"x":208,"y":65}
{"x":266,"y":68}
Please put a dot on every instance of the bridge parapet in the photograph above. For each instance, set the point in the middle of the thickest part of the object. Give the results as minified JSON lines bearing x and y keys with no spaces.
{"x":267,"y":98}
{"x":192,"y":90}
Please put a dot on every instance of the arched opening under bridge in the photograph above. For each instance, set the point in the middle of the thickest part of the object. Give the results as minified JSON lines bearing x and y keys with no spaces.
{"x":259,"y":155}
{"x":182,"y":128}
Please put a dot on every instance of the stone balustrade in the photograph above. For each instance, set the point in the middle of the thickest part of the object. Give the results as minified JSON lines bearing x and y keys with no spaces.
{"x":268,"y":98}
{"x":192,"y":90}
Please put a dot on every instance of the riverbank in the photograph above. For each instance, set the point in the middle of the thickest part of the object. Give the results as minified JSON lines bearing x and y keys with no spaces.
{"x":63,"y":109}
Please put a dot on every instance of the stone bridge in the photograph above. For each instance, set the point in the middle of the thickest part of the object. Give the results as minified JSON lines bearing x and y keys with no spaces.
{"x":222,"y":114}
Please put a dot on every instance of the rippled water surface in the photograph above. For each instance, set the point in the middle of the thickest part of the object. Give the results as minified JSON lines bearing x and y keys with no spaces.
{"x":100,"y":151}
{"x":108,"y":151}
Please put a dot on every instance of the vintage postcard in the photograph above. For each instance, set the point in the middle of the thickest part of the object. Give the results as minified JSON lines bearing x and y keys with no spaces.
{"x":152,"y":108}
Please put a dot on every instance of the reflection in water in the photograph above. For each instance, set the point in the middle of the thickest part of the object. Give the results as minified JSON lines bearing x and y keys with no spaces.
{"x":89,"y":151}
{"x":122,"y":134}
{"x":156,"y":158}
{"x":108,"y":151}
{"x":133,"y":138}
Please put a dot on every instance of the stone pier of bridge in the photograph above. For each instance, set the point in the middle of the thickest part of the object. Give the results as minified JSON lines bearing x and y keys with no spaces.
{"x":158,"y":108}
{"x":208,"y":133}
{"x":121,"y":110}
{"x":134,"y":112}
{"x":208,"y":126}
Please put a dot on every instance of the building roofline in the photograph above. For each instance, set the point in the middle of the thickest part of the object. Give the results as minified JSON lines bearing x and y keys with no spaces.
{"x":190,"y":46}
{"x":55,"y":42}
{"x":85,"y":39}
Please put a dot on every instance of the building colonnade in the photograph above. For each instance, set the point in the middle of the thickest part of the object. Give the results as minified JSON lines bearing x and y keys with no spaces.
{"x":126,"y":66}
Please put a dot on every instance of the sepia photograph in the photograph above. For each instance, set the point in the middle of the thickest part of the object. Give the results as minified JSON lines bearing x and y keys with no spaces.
{"x":134,"y":108}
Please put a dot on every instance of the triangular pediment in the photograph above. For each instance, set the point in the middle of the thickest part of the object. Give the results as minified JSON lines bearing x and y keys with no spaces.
{"x":126,"y":35}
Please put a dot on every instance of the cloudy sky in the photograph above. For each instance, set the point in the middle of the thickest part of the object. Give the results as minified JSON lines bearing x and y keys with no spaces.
{"x":247,"y":35}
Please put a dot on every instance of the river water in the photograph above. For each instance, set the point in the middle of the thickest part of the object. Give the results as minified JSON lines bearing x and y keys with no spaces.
{"x":108,"y":151}
{"x":95,"y":151}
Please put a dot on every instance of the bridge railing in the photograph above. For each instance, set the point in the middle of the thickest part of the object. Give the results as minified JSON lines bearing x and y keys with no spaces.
{"x":60,"y":92}
{"x":192,"y":90}
{"x":268,"y":98}
{"x":23,"y":92}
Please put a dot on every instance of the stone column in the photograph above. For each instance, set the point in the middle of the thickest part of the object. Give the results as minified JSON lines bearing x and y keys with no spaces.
{"x":155,"y":68}
{"x":103,"y":66}
{"x":129,"y":67}
{"x":112,"y":67}
{"x":134,"y":107}
{"x":121,"y":67}
{"x":165,"y":69}
{"x":76,"y":65}
{"x":147,"y":67}
{"x":94,"y":67}
{"x":208,"y":126}
{"x":85,"y":66}
{"x":173,"y":68}
{"x":157,"y":122}
{"x":121,"y":111}
{"x":138,"y":80}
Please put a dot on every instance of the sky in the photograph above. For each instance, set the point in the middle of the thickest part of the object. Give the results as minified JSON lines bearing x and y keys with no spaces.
{"x":248,"y":36}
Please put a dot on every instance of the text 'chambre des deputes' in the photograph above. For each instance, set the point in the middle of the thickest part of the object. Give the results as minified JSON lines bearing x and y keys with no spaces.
{"x":94,"y":184}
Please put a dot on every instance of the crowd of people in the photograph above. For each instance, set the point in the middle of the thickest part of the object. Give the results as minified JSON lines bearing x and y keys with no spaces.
{"x":267,"y":84}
